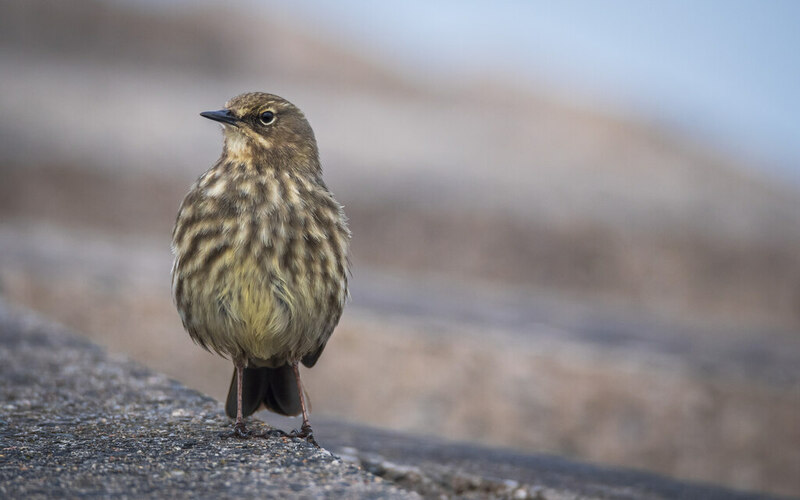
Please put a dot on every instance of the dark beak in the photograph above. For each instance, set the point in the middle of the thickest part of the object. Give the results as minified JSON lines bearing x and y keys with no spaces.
{"x":222,"y":116}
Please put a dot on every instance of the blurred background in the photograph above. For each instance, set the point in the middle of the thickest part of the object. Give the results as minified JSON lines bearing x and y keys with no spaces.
{"x":575,"y":224}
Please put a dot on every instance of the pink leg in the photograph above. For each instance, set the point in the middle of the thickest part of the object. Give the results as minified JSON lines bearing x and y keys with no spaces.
{"x":305,"y":429}
{"x":239,"y":428}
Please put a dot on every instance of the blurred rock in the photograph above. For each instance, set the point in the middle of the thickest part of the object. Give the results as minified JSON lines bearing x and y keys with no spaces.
{"x":501,"y":182}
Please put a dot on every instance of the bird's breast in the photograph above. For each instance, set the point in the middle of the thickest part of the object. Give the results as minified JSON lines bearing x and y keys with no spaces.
{"x":261,"y":261}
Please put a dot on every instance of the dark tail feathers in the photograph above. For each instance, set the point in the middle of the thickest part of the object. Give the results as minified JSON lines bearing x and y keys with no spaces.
{"x":275,"y":387}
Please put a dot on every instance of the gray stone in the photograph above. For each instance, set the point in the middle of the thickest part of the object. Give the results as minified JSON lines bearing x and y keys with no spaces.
{"x":78,"y":422}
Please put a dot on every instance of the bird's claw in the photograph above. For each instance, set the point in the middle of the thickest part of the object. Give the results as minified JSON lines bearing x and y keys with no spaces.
{"x":306,"y":433}
{"x":240,"y":431}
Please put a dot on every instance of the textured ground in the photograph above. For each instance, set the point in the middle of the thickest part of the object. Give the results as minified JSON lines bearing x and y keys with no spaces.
{"x":77,"y":422}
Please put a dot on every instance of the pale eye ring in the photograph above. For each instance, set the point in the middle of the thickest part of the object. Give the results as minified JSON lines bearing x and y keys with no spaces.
{"x":267,"y":117}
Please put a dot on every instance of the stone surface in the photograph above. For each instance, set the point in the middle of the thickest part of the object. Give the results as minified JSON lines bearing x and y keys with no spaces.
{"x":434,"y":467}
{"x":75,"y":421}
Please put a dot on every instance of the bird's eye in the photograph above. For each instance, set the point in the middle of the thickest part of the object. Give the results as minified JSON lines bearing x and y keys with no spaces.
{"x":267,"y":117}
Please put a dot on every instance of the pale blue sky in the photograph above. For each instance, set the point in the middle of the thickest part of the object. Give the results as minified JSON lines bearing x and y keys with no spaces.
{"x":722,"y":71}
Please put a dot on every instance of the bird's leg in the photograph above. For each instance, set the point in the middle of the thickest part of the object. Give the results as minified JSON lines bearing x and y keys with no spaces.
{"x":305,"y":429}
{"x":239,"y":429}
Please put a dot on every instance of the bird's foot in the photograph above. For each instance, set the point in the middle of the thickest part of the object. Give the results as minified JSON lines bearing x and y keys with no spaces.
{"x":306,"y":433}
{"x":239,"y":432}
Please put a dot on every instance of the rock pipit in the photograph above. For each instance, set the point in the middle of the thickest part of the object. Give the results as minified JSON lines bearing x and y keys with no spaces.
{"x":261,"y":265}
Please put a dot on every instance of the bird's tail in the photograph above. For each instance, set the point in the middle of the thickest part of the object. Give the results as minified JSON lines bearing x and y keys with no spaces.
{"x":274,"y":387}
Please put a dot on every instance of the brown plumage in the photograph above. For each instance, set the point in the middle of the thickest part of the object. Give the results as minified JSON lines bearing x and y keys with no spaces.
{"x":261,"y":265}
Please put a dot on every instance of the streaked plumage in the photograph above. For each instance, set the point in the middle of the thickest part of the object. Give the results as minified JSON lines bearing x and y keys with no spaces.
{"x":261,"y":246}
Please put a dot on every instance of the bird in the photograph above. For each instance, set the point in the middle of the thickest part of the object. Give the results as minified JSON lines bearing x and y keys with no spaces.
{"x":261,"y":257}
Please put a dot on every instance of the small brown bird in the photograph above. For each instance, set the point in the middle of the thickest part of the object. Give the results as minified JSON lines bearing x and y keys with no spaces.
{"x":261,"y":256}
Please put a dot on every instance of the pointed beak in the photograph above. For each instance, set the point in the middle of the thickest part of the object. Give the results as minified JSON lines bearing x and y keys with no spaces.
{"x":222,"y":116}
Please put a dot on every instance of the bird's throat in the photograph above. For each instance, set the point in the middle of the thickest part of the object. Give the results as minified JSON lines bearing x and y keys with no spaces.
{"x":240,"y":147}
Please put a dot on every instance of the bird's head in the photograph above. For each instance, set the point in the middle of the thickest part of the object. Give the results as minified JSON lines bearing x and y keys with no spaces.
{"x":260,"y":127}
